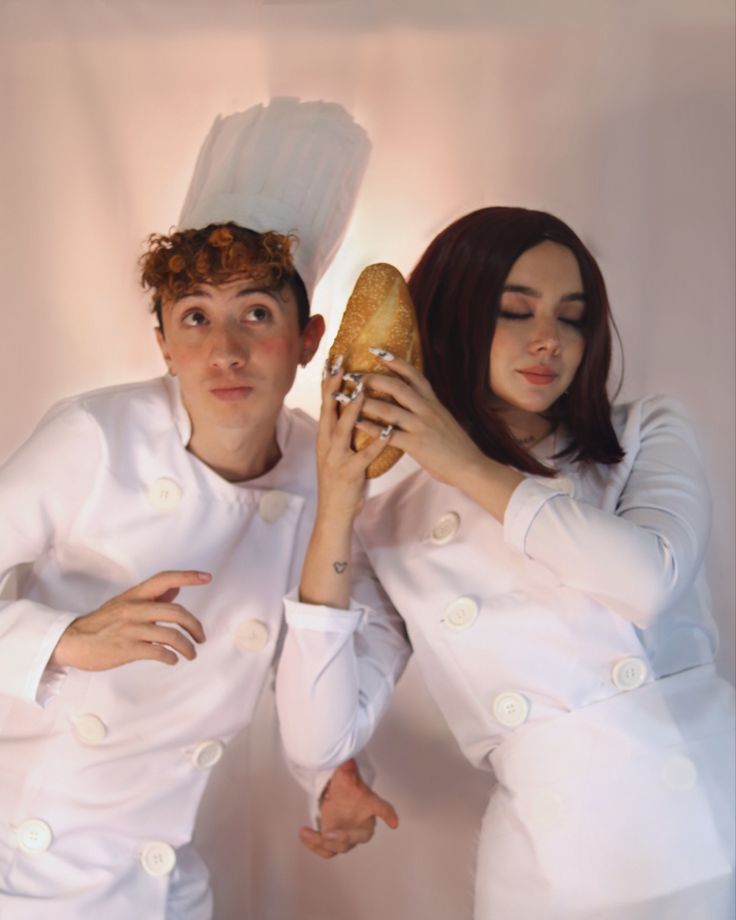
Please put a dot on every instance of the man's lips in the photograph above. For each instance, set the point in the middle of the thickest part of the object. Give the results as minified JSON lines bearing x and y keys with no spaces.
{"x":231,"y":393}
{"x":539,"y":376}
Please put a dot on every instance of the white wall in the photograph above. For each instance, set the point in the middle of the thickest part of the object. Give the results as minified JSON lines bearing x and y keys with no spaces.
{"x":618,"y":116}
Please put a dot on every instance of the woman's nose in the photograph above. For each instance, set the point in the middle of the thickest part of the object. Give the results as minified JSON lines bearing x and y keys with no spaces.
{"x":545,"y":337}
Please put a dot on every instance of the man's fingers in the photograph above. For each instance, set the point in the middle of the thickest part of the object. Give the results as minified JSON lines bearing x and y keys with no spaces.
{"x":342,"y":841}
{"x":386,"y":812}
{"x":170,"y":613}
{"x":147,"y":651}
{"x":312,"y":840}
{"x":167,"y":635}
{"x":157,"y":585}
{"x":168,"y":596}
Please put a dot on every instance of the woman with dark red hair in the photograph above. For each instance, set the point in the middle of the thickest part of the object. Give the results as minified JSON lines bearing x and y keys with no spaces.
{"x":543,"y":557}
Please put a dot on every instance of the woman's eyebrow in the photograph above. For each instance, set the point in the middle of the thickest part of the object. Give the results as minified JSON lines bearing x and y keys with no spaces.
{"x":532,"y":292}
{"x":520,"y":289}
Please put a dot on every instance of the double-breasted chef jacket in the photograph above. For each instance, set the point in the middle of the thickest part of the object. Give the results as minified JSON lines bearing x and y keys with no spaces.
{"x":101,"y":773}
{"x":571,"y":651}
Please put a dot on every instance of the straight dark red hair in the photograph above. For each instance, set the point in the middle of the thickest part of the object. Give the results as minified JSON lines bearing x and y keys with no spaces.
{"x":456,"y":287}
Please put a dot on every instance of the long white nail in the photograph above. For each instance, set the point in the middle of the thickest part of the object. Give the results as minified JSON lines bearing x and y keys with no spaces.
{"x":342,"y":398}
{"x":382,"y":353}
{"x":325,"y":371}
{"x":336,"y":365}
{"x":357,"y":391}
{"x":353,"y":378}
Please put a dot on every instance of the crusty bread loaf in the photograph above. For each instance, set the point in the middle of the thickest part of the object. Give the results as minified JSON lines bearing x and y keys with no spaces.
{"x":379,"y":314}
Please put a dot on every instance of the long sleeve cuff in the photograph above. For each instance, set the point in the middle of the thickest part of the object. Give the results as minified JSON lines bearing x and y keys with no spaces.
{"x":29,"y":636}
{"x":526,"y":502}
{"x":321,"y":618}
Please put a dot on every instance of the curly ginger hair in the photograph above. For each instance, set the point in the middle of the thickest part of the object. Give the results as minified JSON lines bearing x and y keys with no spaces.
{"x":176,"y":263}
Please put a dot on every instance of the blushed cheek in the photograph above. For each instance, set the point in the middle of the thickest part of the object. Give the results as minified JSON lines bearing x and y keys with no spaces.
{"x":275,"y":347}
{"x":280,"y":352}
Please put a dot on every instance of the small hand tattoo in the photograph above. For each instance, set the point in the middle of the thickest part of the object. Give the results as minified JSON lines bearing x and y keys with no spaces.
{"x":339,"y":567}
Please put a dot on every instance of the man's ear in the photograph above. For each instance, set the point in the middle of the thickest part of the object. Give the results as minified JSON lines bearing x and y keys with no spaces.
{"x":311,"y":337}
{"x":164,"y":349}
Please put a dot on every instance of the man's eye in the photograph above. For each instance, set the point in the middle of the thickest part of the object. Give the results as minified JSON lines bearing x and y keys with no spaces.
{"x":258,"y":314}
{"x":194,"y":318}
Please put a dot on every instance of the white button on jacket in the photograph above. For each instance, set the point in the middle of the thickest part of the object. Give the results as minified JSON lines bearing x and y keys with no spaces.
{"x":165,"y":494}
{"x":510,"y":709}
{"x":272,"y":505}
{"x":158,"y":858}
{"x":34,"y":836}
{"x":461,"y":613}
{"x":251,"y":636}
{"x":89,"y":728}
{"x":445,"y":528}
{"x":629,"y":673}
{"x":207,"y":753}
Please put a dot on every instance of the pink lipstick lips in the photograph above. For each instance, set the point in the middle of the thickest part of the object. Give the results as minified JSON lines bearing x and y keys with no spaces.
{"x":539,"y":376}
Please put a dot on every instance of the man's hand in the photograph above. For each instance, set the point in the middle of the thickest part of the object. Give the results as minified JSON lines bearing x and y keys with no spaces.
{"x":347,"y":815}
{"x":127,"y":627}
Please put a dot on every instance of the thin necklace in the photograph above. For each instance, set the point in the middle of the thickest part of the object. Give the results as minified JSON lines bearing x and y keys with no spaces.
{"x":532,"y":440}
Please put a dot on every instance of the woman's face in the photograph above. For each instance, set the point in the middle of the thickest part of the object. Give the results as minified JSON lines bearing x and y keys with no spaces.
{"x":538,"y":343}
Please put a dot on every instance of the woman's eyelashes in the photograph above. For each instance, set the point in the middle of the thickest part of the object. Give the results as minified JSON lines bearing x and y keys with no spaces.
{"x":514,"y":315}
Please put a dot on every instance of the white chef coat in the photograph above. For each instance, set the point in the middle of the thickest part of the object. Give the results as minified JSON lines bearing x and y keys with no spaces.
{"x":101,"y":773}
{"x":570,"y":650}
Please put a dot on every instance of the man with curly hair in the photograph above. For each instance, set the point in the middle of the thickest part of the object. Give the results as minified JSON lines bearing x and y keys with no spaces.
{"x":159,"y":525}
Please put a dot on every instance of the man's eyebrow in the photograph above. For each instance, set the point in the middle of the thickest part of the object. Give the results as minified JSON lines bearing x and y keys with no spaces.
{"x":269,"y":292}
{"x":197,"y":292}
{"x":201,"y":292}
{"x":532,"y":292}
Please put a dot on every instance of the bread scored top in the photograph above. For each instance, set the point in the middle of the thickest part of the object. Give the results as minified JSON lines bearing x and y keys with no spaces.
{"x":379,"y":314}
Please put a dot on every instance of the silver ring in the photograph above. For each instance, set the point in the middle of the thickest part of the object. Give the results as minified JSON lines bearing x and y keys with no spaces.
{"x":386,"y":432}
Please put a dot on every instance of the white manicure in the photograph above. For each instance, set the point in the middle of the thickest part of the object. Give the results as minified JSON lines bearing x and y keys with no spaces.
{"x":381,"y":353}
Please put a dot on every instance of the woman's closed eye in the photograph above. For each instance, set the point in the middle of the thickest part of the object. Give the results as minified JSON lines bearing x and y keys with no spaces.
{"x":574,"y":321}
{"x":514,"y":314}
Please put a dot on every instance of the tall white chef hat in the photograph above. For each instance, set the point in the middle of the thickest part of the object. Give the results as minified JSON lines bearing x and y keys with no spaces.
{"x":288,"y":166}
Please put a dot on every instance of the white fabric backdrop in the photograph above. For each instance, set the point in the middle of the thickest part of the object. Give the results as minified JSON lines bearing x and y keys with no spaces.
{"x":617,"y":116}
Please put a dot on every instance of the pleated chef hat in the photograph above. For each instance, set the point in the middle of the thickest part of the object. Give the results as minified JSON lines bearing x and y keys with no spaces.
{"x":288,"y":166}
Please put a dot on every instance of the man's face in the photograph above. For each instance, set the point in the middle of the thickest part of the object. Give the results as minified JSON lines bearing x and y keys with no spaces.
{"x":235,"y":348}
